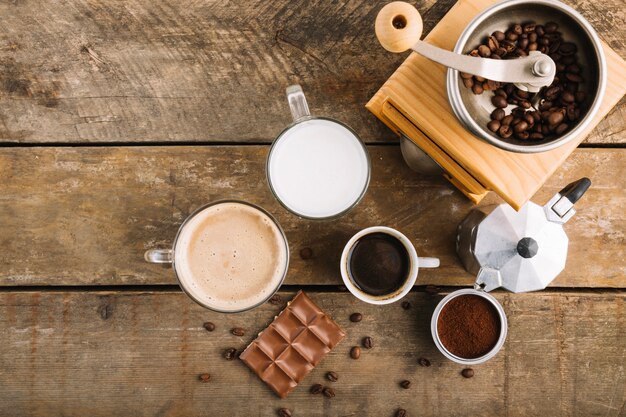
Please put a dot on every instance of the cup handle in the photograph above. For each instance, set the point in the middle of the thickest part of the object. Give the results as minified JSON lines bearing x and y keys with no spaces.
{"x":428,"y":262}
{"x":158,"y":256}
{"x":297,"y":103}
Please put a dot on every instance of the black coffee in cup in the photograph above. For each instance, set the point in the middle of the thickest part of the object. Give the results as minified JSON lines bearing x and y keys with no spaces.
{"x":379,"y":264}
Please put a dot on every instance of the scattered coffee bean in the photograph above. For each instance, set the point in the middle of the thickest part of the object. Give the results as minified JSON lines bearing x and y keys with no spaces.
{"x":230,"y":354}
{"x":467,"y":372}
{"x":401,"y":413}
{"x":355,"y":352}
{"x":406,"y":305}
{"x":328,"y":392}
{"x":284,"y":412}
{"x":424,"y":362}
{"x":306,"y":253}
{"x":204,"y":377}
{"x":356,"y":317}
{"x":316,"y":389}
{"x":367,"y":342}
{"x":209,"y":326}
{"x":237,"y":331}
{"x":406,"y":384}
{"x":276,"y":299}
{"x":332,"y":376}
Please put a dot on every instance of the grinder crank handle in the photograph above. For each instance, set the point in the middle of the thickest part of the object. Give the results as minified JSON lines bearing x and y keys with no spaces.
{"x":399,"y":27}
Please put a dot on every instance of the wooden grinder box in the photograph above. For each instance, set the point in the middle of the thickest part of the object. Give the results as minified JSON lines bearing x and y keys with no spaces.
{"x":413,"y":102}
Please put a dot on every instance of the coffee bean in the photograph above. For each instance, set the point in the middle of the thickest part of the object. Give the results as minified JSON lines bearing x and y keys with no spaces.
{"x":507,"y":120}
{"x":551,"y":27}
{"x":499,"y":35}
{"x":523,"y":43}
{"x":204,"y":377}
{"x":401,"y":413}
{"x":524,"y":135}
{"x":575,"y":78}
{"x":316,"y":389}
{"x":492,"y":85}
{"x":367,"y":342}
{"x":423,"y":362}
{"x":511,"y":36}
{"x":477,"y":89}
{"x":465,"y":75}
{"x":406,"y":384}
{"x":528,"y":117}
{"x":230,"y":354}
{"x":517,"y":29}
{"x":355,"y":352}
{"x":332,"y":376}
{"x":573,"y":69}
{"x":580,"y":96}
{"x":356,"y":317}
{"x":493,"y":43}
{"x":237,"y":331}
{"x":467,"y":372}
{"x":499,"y":102}
{"x":567,"y":48}
{"x":555,"y":118}
{"x":276,"y":299}
{"x":406,"y":305}
{"x":570,"y":111}
{"x":529,"y":27}
{"x":474,"y":52}
{"x":536,"y":136}
{"x":560,"y":129}
{"x":505,"y":131}
{"x":306,"y":253}
{"x":284,"y":412}
{"x":521,"y":126}
{"x":468,"y":82}
{"x":533,"y":46}
{"x":484,"y":51}
{"x":525,"y":104}
{"x":494,"y":125}
{"x":209,"y":326}
{"x":567,"y":97}
{"x":328,"y":392}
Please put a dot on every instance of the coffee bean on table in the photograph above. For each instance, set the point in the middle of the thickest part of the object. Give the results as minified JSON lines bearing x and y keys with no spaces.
{"x":237,"y":331}
{"x":316,"y":389}
{"x":284,"y":412}
{"x":356,"y":317}
{"x":306,"y":253}
{"x":406,"y":384}
{"x":367,"y":342}
{"x":209,"y":326}
{"x":467,"y":372}
{"x":401,"y":413}
{"x":332,"y":376}
{"x":424,"y":362}
{"x":230,"y":354}
{"x":355,"y":352}
{"x":328,"y":392}
{"x":406,"y":305}
{"x":276,"y":299}
{"x":204,"y":377}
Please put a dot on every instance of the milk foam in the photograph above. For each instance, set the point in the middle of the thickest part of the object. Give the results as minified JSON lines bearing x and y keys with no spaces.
{"x":230,"y":256}
{"x":318,"y":168}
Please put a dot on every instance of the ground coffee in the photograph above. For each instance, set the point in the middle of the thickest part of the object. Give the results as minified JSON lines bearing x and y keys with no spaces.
{"x":469,"y":326}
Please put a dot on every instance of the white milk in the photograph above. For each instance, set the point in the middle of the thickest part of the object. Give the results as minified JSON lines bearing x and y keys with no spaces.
{"x":318,"y":168}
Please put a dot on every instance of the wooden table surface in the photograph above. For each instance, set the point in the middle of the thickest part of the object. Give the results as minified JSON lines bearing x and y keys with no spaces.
{"x":118,"y":118}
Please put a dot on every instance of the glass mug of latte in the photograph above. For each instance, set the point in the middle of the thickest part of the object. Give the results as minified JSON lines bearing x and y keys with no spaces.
{"x":317,"y":168}
{"x":228,"y":256}
{"x":379,"y":265}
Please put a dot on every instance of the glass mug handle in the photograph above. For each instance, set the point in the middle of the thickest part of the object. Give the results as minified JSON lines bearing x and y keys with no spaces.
{"x":158,"y":256}
{"x":297,"y":103}
{"x":428,"y":262}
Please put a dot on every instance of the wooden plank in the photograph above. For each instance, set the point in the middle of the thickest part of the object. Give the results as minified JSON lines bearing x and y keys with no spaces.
{"x":171,"y":71}
{"x":140,"y":354}
{"x":83,"y":216}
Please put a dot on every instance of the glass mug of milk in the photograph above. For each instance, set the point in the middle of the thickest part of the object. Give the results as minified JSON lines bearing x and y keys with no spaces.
{"x":228,"y":256}
{"x":317,"y":167}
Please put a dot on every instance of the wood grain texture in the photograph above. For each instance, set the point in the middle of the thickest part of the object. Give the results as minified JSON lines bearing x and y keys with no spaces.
{"x":171,"y":71}
{"x":82,"y":216}
{"x":140,"y":354}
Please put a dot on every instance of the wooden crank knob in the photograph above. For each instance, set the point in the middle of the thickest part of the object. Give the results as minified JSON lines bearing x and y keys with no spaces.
{"x":398,"y":26}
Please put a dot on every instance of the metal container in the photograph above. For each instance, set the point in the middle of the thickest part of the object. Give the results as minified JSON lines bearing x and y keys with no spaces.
{"x":518,"y":250}
{"x":474,"y":110}
{"x":503,"y":327}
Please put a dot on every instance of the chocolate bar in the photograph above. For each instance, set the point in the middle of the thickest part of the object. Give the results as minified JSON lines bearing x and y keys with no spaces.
{"x":292,"y":345}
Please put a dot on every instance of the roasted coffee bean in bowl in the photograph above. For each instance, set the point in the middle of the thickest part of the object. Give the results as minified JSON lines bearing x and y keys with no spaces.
{"x":506,"y":115}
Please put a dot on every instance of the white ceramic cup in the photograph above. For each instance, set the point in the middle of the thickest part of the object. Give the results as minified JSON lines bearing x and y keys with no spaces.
{"x":415,"y":263}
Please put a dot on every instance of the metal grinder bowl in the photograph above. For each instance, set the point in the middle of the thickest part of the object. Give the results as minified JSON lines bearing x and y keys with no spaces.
{"x":474,"y":110}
